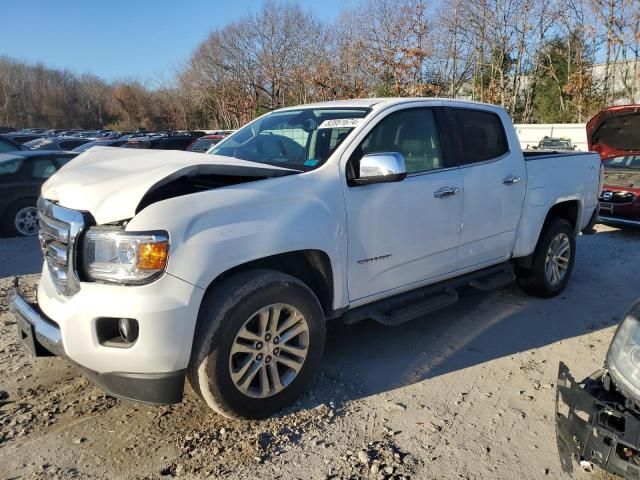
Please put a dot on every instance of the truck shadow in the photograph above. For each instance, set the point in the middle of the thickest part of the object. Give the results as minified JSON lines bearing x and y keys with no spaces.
{"x":370,"y":358}
{"x":480,"y":328}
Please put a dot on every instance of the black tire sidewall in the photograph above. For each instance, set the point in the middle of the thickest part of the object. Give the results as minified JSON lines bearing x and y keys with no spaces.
{"x":220,"y":385}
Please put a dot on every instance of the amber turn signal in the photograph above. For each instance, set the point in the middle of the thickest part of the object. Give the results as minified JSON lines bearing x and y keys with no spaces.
{"x":153,"y":256}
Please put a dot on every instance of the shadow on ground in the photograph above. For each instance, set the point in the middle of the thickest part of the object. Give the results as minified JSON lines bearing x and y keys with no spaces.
{"x":486,"y":326}
{"x":19,"y":256}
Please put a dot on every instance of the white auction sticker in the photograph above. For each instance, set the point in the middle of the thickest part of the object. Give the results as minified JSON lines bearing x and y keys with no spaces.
{"x":341,"y":123}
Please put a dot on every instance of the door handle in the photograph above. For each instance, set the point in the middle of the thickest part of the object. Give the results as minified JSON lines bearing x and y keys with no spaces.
{"x":445,"y":192}
{"x":511,"y":179}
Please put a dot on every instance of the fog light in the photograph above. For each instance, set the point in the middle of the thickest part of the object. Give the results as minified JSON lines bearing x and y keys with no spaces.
{"x":128,"y":329}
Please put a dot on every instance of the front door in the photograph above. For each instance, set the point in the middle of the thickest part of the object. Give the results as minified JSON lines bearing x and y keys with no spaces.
{"x":404,"y":233}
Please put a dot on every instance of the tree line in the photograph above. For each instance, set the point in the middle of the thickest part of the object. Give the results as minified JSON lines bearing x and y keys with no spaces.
{"x":534,"y":58}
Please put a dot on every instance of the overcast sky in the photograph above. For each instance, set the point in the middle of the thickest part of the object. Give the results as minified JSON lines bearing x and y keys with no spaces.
{"x":118,"y":38}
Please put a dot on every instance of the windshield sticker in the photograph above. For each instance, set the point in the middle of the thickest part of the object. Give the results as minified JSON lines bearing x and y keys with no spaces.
{"x":312,"y":162}
{"x":341,"y":123}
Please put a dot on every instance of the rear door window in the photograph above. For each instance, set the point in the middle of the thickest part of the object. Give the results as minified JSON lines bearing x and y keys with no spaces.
{"x":482,"y":136}
{"x":43,"y":167}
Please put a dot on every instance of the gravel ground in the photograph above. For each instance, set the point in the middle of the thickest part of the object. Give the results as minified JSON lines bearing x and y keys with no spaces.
{"x":466,"y":393}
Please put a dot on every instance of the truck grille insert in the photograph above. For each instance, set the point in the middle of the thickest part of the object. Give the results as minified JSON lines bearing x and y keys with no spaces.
{"x":617,"y":196}
{"x":59,"y":231}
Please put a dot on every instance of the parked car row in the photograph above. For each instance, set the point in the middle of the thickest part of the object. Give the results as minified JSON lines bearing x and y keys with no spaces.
{"x":24,"y":155}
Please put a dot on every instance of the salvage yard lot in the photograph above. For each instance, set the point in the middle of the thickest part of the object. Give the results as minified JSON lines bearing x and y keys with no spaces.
{"x":467,"y":392}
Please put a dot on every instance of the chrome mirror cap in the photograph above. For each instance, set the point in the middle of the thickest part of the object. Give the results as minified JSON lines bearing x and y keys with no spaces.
{"x":381,"y":167}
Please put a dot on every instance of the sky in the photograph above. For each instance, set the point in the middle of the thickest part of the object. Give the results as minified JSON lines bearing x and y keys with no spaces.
{"x":120,"y":39}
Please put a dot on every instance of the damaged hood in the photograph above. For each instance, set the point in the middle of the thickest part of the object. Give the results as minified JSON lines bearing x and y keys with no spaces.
{"x":615,"y":132}
{"x":111,"y":182}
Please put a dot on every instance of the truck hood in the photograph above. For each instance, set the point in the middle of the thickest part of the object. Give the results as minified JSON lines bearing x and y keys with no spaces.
{"x":114,"y":184}
{"x":615,"y":132}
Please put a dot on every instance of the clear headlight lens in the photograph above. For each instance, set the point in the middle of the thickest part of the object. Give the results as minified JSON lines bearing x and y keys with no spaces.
{"x":623,"y":357}
{"x":114,"y":255}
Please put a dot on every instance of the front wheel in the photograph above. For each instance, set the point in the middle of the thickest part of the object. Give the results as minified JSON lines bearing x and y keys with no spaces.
{"x":552,"y":262}
{"x":21,"y":219}
{"x":259,"y":340}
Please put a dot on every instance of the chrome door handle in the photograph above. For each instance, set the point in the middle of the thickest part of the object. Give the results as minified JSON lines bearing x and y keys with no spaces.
{"x":510,"y":180}
{"x":445,"y":192}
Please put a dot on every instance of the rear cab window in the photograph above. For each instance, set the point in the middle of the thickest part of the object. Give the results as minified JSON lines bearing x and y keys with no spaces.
{"x":481,"y":133}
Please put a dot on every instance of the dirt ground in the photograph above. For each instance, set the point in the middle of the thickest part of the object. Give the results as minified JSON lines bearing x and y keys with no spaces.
{"x":467,"y":392}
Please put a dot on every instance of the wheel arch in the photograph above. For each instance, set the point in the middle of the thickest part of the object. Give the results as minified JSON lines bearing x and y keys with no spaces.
{"x":569,"y":210}
{"x":312,"y":267}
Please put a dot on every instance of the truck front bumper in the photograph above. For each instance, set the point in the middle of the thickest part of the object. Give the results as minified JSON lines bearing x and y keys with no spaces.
{"x":42,"y":337}
{"x":593,"y":426}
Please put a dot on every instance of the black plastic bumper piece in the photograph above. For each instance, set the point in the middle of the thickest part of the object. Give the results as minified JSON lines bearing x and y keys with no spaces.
{"x":593,"y":425}
{"x":153,"y":388}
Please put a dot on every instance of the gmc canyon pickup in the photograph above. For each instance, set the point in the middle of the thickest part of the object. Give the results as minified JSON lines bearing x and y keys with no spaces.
{"x":223,"y":268}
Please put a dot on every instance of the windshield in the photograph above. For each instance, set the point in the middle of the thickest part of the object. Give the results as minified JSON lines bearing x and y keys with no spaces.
{"x":302,"y":139}
{"x":628,"y":161}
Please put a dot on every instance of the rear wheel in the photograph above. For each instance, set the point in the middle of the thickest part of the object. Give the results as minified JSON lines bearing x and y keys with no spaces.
{"x":552,"y":261}
{"x":21,"y":219}
{"x":259,"y":340}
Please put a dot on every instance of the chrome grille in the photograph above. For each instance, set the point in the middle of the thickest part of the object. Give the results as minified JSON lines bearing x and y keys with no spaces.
{"x":59,"y":230}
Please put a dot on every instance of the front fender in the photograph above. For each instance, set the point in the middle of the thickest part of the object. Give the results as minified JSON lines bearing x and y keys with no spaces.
{"x":216,"y":230}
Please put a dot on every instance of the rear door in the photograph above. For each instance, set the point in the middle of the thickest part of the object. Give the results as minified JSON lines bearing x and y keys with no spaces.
{"x":494,"y":180}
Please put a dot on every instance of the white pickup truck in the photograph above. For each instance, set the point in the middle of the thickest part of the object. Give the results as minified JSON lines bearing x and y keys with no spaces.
{"x":224,"y":268}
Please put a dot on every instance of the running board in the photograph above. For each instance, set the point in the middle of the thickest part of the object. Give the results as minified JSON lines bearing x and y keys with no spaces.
{"x":417,"y":303}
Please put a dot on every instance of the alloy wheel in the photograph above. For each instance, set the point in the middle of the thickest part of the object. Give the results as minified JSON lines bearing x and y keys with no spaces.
{"x":269,"y":350}
{"x":26,"y":221}
{"x":558,"y":257}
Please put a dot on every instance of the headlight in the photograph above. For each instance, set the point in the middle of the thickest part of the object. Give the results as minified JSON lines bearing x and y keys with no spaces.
{"x":114,"y":255}
{"x":623,"y":357}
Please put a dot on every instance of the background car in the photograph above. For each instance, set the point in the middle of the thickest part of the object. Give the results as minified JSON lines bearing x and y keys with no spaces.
{"x":203,"y":144}
{"x":22,"y":173}
{"x":555,"y":144}
{"x":22,"y":138}
{"x":7,"y":145}
{"x":168,"y":142}
{"x":620,"y":197}
{"x":33,"y":130}
{"x":54,"y":132}
{"x":56,"y":143}
{"x":101,"y":143}
{"x":613,"y":133}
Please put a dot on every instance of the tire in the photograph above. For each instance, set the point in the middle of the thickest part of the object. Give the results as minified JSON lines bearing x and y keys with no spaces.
{"x":536,"y":279}
{"x":20,"y":219}
{"x":238,"y":304}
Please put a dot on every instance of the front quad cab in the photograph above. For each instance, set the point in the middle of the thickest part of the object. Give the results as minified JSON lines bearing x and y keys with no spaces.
{"x":223,"y":269}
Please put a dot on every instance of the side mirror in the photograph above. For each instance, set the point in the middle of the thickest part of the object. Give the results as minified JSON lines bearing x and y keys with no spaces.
{"x":382,"y":167}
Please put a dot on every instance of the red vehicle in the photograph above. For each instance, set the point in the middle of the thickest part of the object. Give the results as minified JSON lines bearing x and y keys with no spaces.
{"x":615,"y":134}
{"x":202,"y":144}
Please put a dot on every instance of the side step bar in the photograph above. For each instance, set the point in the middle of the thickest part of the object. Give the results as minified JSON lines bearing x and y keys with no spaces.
{"x":417,"y":303}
